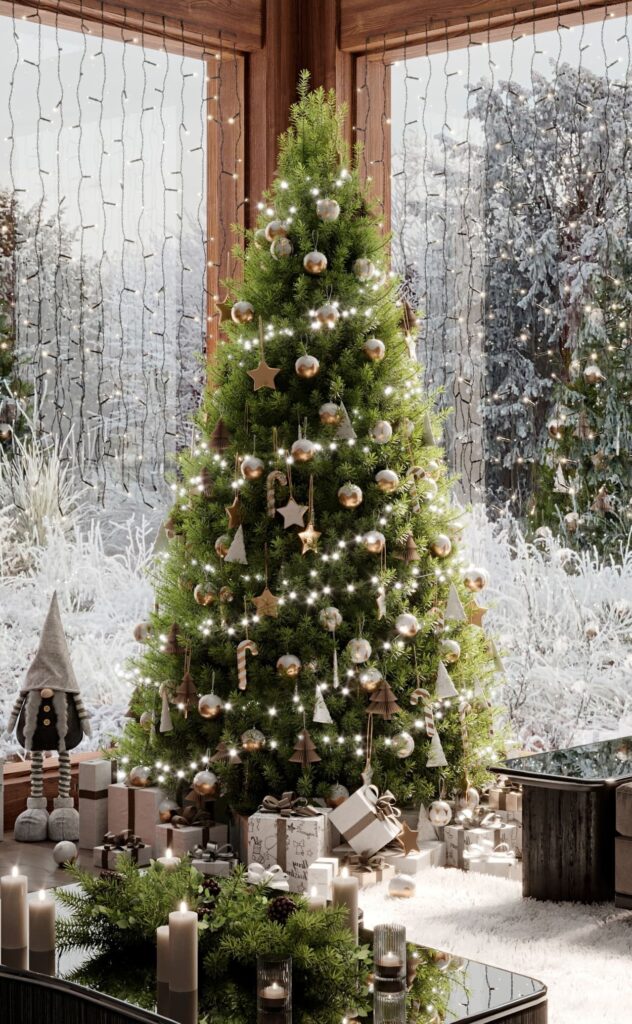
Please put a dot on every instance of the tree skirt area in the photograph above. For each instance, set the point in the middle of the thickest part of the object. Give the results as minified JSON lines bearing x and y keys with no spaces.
{"x":581,"y":953}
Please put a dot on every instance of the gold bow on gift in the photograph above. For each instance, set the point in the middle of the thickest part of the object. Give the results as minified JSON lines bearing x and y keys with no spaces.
{"x":364,"y":862}
{"x":187,"y":816}
{"x":384,"y":805}
{"x":288,"y":806}
{"x":125,"y":840}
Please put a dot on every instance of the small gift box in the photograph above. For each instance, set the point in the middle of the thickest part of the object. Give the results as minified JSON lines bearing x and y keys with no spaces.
{"x":505,"y":798}
{"x":367,"y":820}
{"x":215,"y":860}
{"x":431,"y":854}
{"x":182,"y":839}
{"x":501,"y":863}
{"x":274,"y":877}
{"x":125,"y":844}
{"x":290,"y":833}
{"x":94,"y":779}
{"x":495,"y":831}
{"x":369,"y":869}
{"x":454,"y":839}
{"x":135,"y":809}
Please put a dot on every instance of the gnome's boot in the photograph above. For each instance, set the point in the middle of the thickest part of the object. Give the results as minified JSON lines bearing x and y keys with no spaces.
{"x":63,"y":822}
{"x":31,"y":826}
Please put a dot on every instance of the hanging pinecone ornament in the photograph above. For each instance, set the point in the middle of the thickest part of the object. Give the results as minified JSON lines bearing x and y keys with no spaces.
{"x":172,"y":645}
{"x":220,"y":438}
{"x":382,"y":702}
{"x":281,"y":908}
{"x":304,"y":750}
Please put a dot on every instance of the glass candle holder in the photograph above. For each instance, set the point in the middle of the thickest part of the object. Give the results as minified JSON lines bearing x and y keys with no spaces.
{"x":389,"y":952}
{"x":274,"y":990}
{"x":389,"y":1007}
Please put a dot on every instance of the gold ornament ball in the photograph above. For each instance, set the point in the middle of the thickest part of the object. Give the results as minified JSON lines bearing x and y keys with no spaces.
{"x":329,"y":414}
{"x":440,"y":813}
{"x":382,"y":432}
{"x":315,"y":262}
{"x":327,"y":209}
{"x":142,"y":632}
{"x":363,"y":269}
{"x":303,"y":450}
{"x":402,"y":887}
{"x":288,"y":665}
{"x":427,"y":488}
{"x":226,"y":595}
{"x":441,"y":545}
{"x":251,"y":467}
{"x":276,"y":229}
{"x":450,"y":651}
{"x":593,"y":374}
{"x":222,"y":545}
{"x":205,"y":783}
{"x":166,"y":811}
{"x":555,"y":428}
{"x":374,"y":542}
{"x":402,"y":744}
{"x":350,"y":495}
{"x":475,"y":580}
{"x":370,"y":679}
{"x":146,"y":720}
{"x":210,"y":705}
{"x":260,"y":238}
{"x":571,"y":521}
{"x":6,"y":431}
{"x":360,"y":650}
{"x":204,"y":594}
{"x":140,"y":776}
{"x":374,"y":350}
{"x":306,"y":366}
{"x":336,"y":795}
{"x":407,"y":624}
{"x":328,"y":314}
{"x":281,"y":248}
{"x":330,"y":618}
{"x":242,"y":312}
{"x":252,"y":740}
{"x":387,"y":480}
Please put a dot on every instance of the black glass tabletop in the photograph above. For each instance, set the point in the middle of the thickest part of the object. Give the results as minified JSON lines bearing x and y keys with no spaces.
{"x":603,"y":762}
{"x":479,"y":992}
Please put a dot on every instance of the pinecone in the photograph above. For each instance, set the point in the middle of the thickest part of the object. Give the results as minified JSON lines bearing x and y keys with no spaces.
{"x":280,"y":908}
{"x":212,"y":889}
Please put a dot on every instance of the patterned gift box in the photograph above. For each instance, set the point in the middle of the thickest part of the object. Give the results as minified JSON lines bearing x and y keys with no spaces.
{"x":367,"y":820}
{"x":501,"y":865}
{"x":431,"y":854}
{"x":293,"y":842}
{"x":218,"y":863}
{"x":184,"y":840}
{"x":106,"y":856}
{"x":134,"y":809}
{"x":454,"y":839}
{"x":95,"y":777}
{"x":491,"y":833}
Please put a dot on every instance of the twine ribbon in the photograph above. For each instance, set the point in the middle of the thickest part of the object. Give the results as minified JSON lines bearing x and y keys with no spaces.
{"x":383,"y":808}
{"x":288,"y":806}
{"x":213,"y":851}
{"x":125,"y":840}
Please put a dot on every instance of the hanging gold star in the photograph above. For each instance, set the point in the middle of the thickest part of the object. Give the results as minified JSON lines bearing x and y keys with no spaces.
{"x":234,"y":513}
{"x":476,"y":613}
{"x":264,"y":375}
{"x":407,"y":839}
{"x":292,"y":513}
{"x":309,"y":538}
{"x":224,"y":309}
{"x":266,"y":604}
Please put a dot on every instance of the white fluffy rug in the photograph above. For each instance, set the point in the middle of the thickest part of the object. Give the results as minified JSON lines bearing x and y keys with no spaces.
{"x":583,"y":954}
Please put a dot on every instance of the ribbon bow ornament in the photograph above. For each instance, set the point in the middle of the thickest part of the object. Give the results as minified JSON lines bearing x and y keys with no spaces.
{"x":288,"y":805}
{"x":365,"y":862}
{"x":187,"y":816}
{"x":384,"y":805}
{"x":125,"y":840}
{"x":274,"y":877}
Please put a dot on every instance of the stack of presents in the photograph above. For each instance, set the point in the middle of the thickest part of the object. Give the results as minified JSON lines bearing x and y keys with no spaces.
{"x":296,"y":845}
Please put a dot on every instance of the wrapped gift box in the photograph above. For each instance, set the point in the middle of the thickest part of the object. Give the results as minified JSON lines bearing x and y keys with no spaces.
{"x":292,"y":842}
{"x":95,"y":777}
{"x":454,"y":840}
{"x":134,"y":809}
{"x":499,"y":865}
{"x":366,"y":820}
{"x":431,"y":854}
{"x":184,"y":840}
{"x":492,"y":835}
{"x":106,"y":857}
{"x":503,"y":799}
{"x":320,"y":875}
{"x":218,"y":868}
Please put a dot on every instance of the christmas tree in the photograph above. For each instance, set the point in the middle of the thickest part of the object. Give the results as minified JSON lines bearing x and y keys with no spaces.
{"x":13,"y":391}
{"x":313,"y":544}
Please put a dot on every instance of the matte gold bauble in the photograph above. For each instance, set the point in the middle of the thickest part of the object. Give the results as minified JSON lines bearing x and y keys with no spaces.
{"x":226,"y":595}
{"x":204,"y":594}
{"x":210,"y":705}
{"x":450,"y":651}
{"x":166,"y":811}
{"x":363,"y":269}
{"x":440,"y":813}
{"x":146,"y":720}
{"x":140,"y":776}
{"x":315,"y":262}
{"x":402,"y":744}
{"x":242,"y":312}
{"x":374,"y":542}
{"x":593,"y":374}
{"x":327,"y":210}
{"x":330,"y":414}
{"x":281,"y":248}
{"x":251,"y":467}
{"x":475,"y":579}
{"x":142,"y":632}
{"x":402,"y":887}
{"x":336,"y":795}
{"x":222,"y":545}
{"x":374,"y":350}
{"x":382,"y":432}
{"x":306,"y":366}
{"x":253,"y":740}
{"x":288,"y":665}
{"x":441,"y":545}
{"x":6,"y":432}
{"x":556,"y":428}
{"x":370,"y":679}
{"x":330,"y":618}
{"x":407,"y":625}
{"x":359,"y":650}
{"x":303,"y":450}
{"x":205,"y":783}
{"x":328,"y":314}
{"x":571,"y":521}
{"x":387,"y":480}
{"x":276,"y":229}
{"x":350,"y":495}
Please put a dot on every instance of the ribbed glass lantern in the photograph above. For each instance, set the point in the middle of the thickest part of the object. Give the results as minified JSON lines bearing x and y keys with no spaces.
{"x":389,"y":1007}
{"x":389,"y":953}
{"x":274,"y":990}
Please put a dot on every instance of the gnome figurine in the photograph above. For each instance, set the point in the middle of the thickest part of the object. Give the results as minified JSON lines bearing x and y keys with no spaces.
{"x":49,"y":715}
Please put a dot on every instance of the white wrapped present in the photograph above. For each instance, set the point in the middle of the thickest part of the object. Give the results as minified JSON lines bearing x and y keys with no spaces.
{"x":431,"y":854}
{"x":454,"y":840}
{"x":183,"y":839}
{"x":289,"y":833}
{"x":94,"y":779}
{"x":501,"y":863}
{"x":320,"y":875}
{"x":107,"y":854}
{"x":367,"y":820}
{"x":274,"y":877}
{"x":135,"y":809}
{"x":215,"y":860}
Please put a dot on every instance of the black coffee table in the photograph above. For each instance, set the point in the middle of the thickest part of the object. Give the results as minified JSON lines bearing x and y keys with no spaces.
{"x":568,"y":818}
{"x":482,"y":993}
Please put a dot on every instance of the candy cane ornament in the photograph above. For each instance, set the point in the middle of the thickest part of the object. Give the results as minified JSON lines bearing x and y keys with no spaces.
{"x":429,"y":722}
{"x":276,"y":476}
{"x":242,"y":650}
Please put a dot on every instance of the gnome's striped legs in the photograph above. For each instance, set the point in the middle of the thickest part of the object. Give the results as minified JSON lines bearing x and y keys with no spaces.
{"x":37,"y":773}
{"x":64,"y":773}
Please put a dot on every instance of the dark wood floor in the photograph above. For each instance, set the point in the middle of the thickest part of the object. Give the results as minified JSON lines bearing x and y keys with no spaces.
{"x":35,"y":860}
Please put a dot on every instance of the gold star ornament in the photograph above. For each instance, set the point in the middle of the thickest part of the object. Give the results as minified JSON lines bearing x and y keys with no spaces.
{"x":475,"y":613}
{"x":407,"y":839}
{"x":293,"y":513}
{"x":263,"y":376}
{"x":224,"y":309}
{"x":266,"y":604}
{"x":309,"y":538}
{"x":234,"y":513}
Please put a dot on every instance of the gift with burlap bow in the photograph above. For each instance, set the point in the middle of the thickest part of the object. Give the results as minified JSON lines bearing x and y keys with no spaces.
{"x":288,"y":805}
{"x":213,"y":859}
{"x":123,"y":843}
{"x":368,"y":821}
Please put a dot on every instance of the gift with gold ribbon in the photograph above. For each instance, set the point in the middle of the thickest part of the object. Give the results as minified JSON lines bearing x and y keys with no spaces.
{"x":288,"y":805}
{"x":287,"y":831}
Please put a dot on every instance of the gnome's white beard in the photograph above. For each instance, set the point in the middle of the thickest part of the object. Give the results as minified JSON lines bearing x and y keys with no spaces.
{"x":33,"y":700}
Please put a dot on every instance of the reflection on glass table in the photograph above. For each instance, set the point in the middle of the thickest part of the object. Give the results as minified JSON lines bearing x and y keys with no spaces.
{"x":604,"y":761}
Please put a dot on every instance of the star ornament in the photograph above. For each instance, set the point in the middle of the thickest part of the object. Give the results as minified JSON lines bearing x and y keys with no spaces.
{"x":309,"y":538}
{"x":407,"y":839}
{"x":476,"y":613}
{"x":263,"y":376}
{"x":266,"y":604}
{"x":234,"y":513}
{"x":224,"y":309}
{"x":293,"y":513}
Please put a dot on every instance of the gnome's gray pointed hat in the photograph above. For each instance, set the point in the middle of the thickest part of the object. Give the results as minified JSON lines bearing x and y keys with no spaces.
{"x":51,"y":665}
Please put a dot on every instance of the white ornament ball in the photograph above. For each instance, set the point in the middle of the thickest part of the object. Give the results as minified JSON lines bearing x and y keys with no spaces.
{"x":327,"y":209}
{"x":210,"y":705}
{"x":142,"y":632}
{"x":571,"y":521}
{"x":276,"y":229}
{"x":593,"y":374}
{"x":251,"y":467}
{"x":315,"y":262}
{"x":407,"y":624}
{"x":363,"y":269}
{"x":450,"y":651}
{"x":350,"y":495}
{"x":306,"y":366}
{"x":205,"y":783}
{"x":288,"y":665}
{"x":328,"y":314}
{"x":65,"y":853}
{"x":303,"y":450}
{"x":330,"y":618}
{"x":387,"y":480}
{"x":281,"y":248}
{"x":475,"y":579}
{"x":402,"y":744}
{"x":242,"y":312}
{"x":382,"y":432}
{"x":402,"y":887}
{"x":336,"y":795}
{"x":374,"y":350}
{"x":146,"y":720}
{"x":374,"y":542}
{"x":329,"y":413}
{"x":440,"y":813}
{"x":360,"y":650}
{"x":472,"y":798}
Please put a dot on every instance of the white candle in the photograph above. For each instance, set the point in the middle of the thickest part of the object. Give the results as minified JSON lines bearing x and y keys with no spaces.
{"x":183,"y":950}
{"x":273,"y":996}
{"x":42,"y":923}
{"x":162,"y":970}
{"x":389,"y":965}
{"x":315,"y":901}
{"x":345,"y":894}
{"x":169,"y":862}
{"x":14,"y":927}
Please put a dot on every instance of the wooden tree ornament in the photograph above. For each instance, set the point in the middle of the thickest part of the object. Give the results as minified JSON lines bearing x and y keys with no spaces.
{"x":383,"y":702}
{"x":304,"y":750}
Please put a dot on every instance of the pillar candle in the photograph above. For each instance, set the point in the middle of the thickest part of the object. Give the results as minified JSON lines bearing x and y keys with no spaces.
{"x":345,"y":894}
{"x":169,"y":862}
{"x":42,"y":934}
{"x":162,"y":970}
{"x":14,"y":927}
{"x":315,"y":901}
{"x":183,"y":965}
